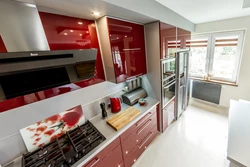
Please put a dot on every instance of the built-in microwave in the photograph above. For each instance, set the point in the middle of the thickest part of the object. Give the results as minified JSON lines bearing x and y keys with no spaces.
{"x":167,"y":68}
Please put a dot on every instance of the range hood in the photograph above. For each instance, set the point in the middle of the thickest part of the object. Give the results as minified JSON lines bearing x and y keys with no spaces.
{"x":21,"y":27}
{"x":25,"y":61}
{"x":22,"y":32}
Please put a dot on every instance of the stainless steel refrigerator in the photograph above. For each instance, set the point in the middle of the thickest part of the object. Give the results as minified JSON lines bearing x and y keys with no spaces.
{"x":182,"y":81}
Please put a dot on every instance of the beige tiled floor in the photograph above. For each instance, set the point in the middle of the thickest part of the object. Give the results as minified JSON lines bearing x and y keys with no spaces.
{"x":197,"y":139}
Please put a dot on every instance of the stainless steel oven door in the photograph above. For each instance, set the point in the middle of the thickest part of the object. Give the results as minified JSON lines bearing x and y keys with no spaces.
{"x":168,"y":93}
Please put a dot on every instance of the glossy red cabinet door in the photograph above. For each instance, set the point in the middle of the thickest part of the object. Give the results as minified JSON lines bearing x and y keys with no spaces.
{"x":110,"y":156}
{"x":168,"y":36}
{"x":67,"y":33}
{"x":183,"y":37}
{"x":128,"y":49}
{"x":2,"y":46}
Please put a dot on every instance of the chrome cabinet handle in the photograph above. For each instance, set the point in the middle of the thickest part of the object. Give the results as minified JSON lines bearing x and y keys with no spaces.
{"x":141,"y":145}
{"x":142,"y":128}
{"x":143,"y":119}
{"x":96,"y":160}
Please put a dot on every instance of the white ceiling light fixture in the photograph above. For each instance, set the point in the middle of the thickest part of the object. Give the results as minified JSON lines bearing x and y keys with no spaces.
{"x":80,"y":23}
{"x":71,"y":30}
{"x":246,"y":4}
{"x":96,"y":13}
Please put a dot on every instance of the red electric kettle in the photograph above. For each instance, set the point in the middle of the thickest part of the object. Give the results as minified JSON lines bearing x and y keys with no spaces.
{"x":115,"y":104}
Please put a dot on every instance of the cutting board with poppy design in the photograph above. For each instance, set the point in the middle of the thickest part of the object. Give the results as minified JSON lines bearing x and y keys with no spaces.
{"x":45,"y":131}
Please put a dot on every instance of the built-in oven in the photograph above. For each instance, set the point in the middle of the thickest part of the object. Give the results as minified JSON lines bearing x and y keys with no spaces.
{"x":168,"y":80}
{"x":168,"y":91}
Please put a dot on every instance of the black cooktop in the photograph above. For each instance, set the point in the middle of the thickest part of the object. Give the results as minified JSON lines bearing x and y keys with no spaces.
{"x":66,"y":150}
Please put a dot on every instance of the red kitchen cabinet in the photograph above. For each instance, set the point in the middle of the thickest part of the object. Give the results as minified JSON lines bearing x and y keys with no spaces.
{"x":132,"y":157}
{"x":168,"y":40}
{"x":111,"y":156}
{"x":128,"y":49}
{"x":123,"y":47}
{"x":2,"y":46}
{"x":168,"y":114}
{"x":136,"y":139}
{"x":183,"y":38}
{"x":68,"y":33}
{"x":138,"y":135}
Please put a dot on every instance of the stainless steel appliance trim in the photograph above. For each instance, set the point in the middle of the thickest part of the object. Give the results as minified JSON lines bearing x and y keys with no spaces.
{"x":168,"y":85}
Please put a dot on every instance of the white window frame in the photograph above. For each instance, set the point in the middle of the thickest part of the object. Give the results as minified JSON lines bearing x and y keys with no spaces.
{"x":208,"y":37}
{"x":240,"y":35}
{"x":210,"y":53}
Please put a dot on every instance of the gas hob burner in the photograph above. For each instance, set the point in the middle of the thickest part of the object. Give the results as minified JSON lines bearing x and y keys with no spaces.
{"x":66,"y":150}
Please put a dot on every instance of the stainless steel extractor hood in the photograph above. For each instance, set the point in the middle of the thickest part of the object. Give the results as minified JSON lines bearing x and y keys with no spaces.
{"x":21,"y":27}
{"x":24,"y":61}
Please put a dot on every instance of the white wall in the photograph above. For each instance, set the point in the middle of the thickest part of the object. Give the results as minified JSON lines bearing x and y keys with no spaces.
{"x":155,"y":10}
{"x":243,"y":89}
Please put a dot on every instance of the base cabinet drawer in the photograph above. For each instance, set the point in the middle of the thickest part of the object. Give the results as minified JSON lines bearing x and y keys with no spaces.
{"x":131,"y":158}
{"x":138,"y":135}
{"x":138,"y":124}
{"x":112,"y":149}
{"x":114,"y":159}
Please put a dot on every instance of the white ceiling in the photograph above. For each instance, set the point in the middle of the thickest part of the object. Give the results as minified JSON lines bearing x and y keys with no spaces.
{"x":84,"y":9}
{"x":200,"y":11}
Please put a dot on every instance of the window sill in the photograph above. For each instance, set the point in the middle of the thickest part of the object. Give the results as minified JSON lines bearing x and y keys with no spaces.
{"x":214,"y":81}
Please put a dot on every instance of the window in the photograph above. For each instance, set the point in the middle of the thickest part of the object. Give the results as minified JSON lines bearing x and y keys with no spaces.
{"x":216,"y":56}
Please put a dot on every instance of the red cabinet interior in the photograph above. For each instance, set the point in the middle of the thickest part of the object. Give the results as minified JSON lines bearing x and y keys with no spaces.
{"x":66,"y":33}
{"x":2,"y":46}
{"x":128,"y":49}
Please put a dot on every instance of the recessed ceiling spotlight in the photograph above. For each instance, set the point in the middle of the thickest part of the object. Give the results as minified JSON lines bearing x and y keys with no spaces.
{"x":96,"y":13}
{"x":79,"y":22}
{"x":87,"y":32}
{"x":65,"y":34}
{"x":117,"y":38}
{"x":126,"y":36}
{"x":80,"y":34}
{"x":71,"y":31}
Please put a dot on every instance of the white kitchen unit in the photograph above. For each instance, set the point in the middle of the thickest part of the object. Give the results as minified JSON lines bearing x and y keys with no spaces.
{"x":239,"y":137}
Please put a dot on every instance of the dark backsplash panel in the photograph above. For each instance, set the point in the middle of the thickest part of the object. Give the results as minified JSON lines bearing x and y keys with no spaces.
{"x":29,"y":82}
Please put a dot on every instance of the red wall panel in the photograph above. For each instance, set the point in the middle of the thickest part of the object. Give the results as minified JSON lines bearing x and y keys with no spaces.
{"x":66,"y":33}
{"x":2,"y":46}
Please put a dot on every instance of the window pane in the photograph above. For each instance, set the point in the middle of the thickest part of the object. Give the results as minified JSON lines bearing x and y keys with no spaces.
{"x":224,"y":61}
{"x":198,"y":60}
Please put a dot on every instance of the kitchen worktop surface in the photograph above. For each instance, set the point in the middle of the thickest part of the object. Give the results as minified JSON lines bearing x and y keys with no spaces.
{"x":109,"y":133}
